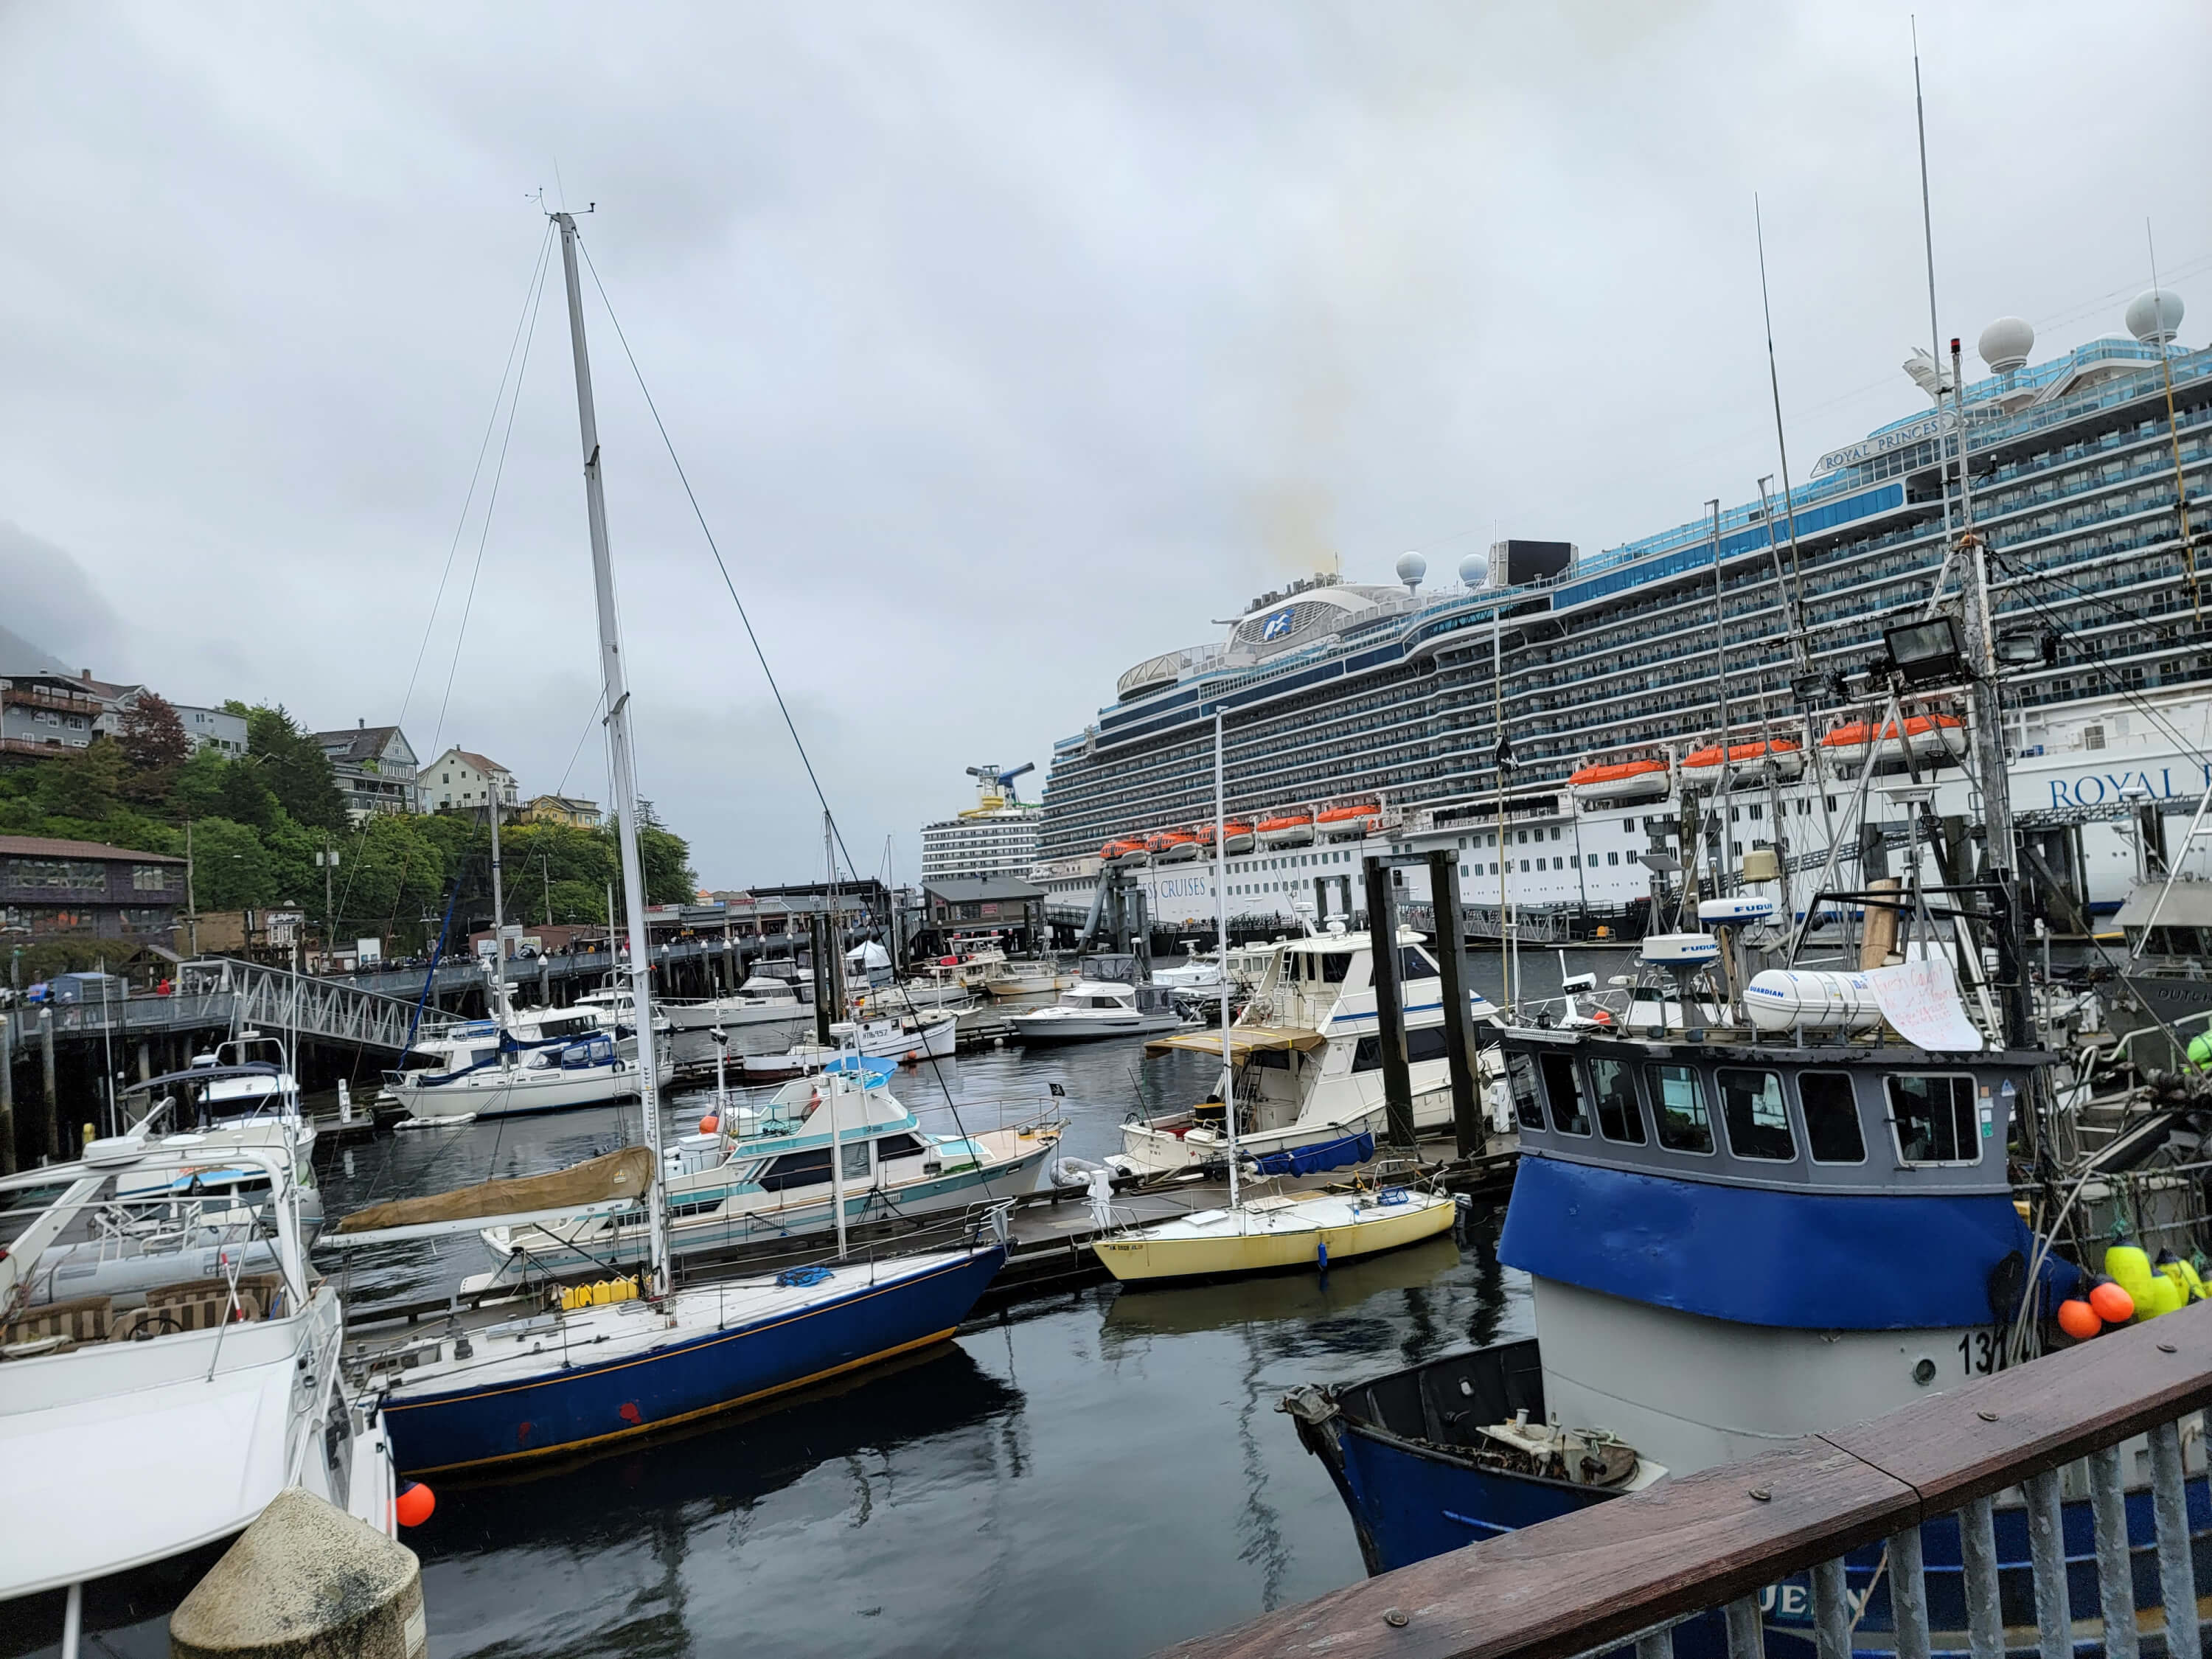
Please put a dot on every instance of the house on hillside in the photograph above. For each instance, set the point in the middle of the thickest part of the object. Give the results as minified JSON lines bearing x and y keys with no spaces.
{"x":376,"y":770}
{"x":42,"y":714}
{"x":460,"y":781}
{"x":572,"y":810}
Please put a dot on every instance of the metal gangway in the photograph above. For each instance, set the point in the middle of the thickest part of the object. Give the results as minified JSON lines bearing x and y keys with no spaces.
{"x":277,"y":999}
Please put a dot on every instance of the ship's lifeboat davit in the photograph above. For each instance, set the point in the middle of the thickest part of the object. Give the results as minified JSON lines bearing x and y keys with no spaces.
{"x":1930,"y":737}
{"x":1624,"y":780}
{"x":1172,"y":846}
{"x":1122,"y":853}
{"x":1293,"y":829}
{"x":1702,"y":767}
{"x":1348,"y":822}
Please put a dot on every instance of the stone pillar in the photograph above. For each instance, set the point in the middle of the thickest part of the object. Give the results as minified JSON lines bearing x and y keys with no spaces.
{"x":305,"y":1581}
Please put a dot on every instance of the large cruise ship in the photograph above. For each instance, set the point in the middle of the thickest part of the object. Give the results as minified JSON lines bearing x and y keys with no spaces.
{"x":1364,"y":716}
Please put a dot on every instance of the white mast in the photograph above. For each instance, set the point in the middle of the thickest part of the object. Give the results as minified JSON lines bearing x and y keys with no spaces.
{"x":1221,"y":941}
{"x":499,"y":1008}
{"x":622,"y":773}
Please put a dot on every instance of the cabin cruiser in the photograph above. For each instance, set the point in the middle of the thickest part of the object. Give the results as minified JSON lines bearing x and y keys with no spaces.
{"x":157,"y":1390}
{"x":760,"y":1001}
{"x":767,"y":1172}
{"x":1305,"y":1060}
{"x":502,"y":1074}
{"x":1093,"y":1008}
{"x":241,"y":1094}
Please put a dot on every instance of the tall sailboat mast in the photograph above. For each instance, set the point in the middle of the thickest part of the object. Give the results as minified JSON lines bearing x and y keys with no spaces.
{"x":621,"y":769}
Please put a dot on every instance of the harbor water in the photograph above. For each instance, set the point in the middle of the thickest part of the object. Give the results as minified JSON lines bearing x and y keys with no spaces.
{"x":1101,"y":1473}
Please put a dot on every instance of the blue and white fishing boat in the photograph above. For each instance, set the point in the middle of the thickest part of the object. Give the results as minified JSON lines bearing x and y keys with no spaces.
{"x":630,"y":1355}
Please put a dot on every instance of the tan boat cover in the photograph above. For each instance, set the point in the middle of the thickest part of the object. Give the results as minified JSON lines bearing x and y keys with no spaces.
{"x":1244,"y":1041}
{"x":625,"y":1174}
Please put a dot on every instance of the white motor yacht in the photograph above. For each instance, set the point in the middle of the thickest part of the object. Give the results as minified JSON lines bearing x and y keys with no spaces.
{"x":187,"y":1375}
{"x":504,"y":1075}
{"x":243,"y":1094}
{"x":1093,"y":1008}
{"x":1306,"y":1057}
{"x":760,"y":1001}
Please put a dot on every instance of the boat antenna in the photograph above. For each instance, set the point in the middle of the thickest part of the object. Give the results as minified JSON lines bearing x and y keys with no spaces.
{"x":1722,"y":786}
{"x":1221,"y":940}
{"x":1794,"y":596}
{"x":2173,"y":437}
{"x":622,"y":760}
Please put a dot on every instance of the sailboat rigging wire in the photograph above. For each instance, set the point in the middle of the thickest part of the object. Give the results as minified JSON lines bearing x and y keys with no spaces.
{"x":759,"y":654}
{"x":683,"y":478}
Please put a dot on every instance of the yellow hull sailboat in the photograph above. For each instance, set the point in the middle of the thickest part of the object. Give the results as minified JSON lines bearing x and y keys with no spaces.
{"x":1265,"y":1234}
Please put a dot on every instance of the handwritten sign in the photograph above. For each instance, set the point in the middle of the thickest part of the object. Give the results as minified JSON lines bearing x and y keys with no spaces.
{"x":1921,"y":1001}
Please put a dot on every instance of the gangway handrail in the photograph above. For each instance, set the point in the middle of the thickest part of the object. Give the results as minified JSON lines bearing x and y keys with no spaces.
{"x":1628,"y":1570}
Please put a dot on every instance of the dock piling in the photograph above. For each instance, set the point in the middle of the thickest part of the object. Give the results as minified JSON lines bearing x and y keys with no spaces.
{"x":1389,"y":1006}
{"x":1451,"y":968}
{"x":306,"y":1579}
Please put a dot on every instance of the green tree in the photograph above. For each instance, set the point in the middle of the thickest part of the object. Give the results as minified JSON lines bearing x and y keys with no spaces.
{"x":83,"y":783}
{"x":293,"y":767}
{"x":666,"y":856}
{"x":231,"y":869}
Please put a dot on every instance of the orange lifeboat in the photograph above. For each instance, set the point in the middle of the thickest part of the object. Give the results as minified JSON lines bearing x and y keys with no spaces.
{"x":1235,"y":837}
{"x":1623,"y":780}
{"x":1348,"y":822}
{"x":1291,"y":829}
{"x":1703,"y":766}
{"x":1930,"y":737}
{"x":1172,"y":846}
{"x":1122,"y":853}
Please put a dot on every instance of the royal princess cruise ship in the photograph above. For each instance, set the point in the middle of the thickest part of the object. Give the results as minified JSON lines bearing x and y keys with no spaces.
{"x":1359,"y":717}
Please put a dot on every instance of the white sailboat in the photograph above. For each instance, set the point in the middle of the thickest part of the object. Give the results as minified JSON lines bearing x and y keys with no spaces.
{"x":1272,"y":1232}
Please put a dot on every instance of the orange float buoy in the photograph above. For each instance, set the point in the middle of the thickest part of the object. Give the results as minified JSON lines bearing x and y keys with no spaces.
{"x":2079,"y":1320}
{"x":2111,"y":1303}
{"x":414,"y":1505}
{"x":710,"y":1124}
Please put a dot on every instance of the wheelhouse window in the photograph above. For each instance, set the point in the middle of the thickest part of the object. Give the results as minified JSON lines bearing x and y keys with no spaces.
{"x":1678,"y":1102}
{"x":897,"y":1145}
{"x":1563,"y":1086}
{"x":798,"y":1169}
{"x":1832,"y":1117}
{"x":1520,"y":1071}
{"x":1933,"y":1118}
{"x":1619,"y":1115}
{"x":1427,"y":1043}
{"x":1758,"y":1120}
{"x":1414,"y":964}
{"x":856,"y":1160}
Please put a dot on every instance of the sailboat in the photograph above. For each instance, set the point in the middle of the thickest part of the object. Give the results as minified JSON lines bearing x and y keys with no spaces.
{"x":1258,"y":1234}
{"x":625,"y":1357}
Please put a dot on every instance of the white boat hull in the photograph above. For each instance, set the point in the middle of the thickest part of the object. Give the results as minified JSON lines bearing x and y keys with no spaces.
{"x":1048,"y":1026}
{"x":494,"y":1093}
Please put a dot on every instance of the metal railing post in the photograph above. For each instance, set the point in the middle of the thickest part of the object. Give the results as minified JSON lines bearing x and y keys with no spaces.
{"x":2046,"y":1545}
{"x":2176,"y":1571}
{"x":1832,"y":1602}
{"x":1977,"y":1550}
{"x":1746,"y":1636}
{"x":2116,"y":1591}
{"x":1908,"y":1594}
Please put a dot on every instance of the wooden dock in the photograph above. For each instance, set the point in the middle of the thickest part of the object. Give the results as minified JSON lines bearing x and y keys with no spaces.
{"x":1050,"y":1235}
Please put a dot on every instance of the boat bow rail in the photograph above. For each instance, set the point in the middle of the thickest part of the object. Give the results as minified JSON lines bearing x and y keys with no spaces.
{"x":1700,"y":1548}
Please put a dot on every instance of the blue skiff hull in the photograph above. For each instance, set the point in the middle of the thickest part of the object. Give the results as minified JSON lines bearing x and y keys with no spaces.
{"x":1410,"y":1501}
{"x":585,"y":1406}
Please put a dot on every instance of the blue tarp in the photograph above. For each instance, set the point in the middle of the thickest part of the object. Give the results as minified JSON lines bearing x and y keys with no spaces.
{"x":1324,"y":1155}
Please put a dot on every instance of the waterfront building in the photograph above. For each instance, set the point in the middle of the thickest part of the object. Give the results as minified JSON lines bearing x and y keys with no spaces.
{"x":375,"y":768}
{"x":51,"y":889}
{"x":572,"y":811}
{"x":461,"y":780}
{"x":997,"y":836}
{"x":1338,"y":692}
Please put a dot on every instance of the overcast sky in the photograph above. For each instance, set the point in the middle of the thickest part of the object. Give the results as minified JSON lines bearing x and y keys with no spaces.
{"x":1004,"y":345}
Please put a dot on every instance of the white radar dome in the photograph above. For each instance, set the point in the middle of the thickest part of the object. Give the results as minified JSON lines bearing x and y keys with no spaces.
{"x":1412,"y":566}
{"x":2155,"y":317}
{"x":2005,"y":343}
{"x":1474,"y":570}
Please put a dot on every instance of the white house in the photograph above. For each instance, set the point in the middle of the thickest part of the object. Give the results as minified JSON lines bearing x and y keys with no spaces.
{"x":459,"y":781}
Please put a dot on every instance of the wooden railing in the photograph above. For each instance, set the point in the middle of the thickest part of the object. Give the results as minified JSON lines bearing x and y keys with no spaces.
{"x":1628,"y":1570}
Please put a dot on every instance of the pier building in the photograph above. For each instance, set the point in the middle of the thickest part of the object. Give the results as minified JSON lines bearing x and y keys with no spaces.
{"x":50,"y":889}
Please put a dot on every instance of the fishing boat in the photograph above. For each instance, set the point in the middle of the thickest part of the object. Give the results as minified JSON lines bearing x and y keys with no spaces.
{"x":1091,"y":1009}
{"x":766,"y":1172}
{"x":518,"y":1381}
{"x":154,"y":1402}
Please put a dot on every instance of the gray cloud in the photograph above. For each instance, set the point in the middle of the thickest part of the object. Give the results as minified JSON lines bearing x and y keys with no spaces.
{"x":1005,"y":346}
